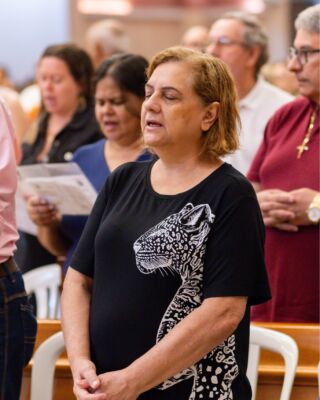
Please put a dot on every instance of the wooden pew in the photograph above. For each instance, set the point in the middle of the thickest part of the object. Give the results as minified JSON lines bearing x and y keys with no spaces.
{"x":270,"y":370}
{"x":272,"y":366}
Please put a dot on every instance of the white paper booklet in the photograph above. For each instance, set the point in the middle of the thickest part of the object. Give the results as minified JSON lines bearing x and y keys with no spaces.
{"x":62,"y":184}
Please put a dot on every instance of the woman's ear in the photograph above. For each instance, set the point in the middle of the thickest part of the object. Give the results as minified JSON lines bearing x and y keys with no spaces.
{"x":210,"y":116}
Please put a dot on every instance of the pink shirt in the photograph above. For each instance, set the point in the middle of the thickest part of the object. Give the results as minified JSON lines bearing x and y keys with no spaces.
{"x":8,"y":185}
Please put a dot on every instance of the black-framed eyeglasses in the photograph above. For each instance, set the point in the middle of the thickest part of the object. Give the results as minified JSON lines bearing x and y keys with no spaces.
{"x":225,"y":41}
{"x":301,"y":54}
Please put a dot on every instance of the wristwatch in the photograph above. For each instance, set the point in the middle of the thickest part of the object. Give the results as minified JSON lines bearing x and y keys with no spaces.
{"x":313,"y":211}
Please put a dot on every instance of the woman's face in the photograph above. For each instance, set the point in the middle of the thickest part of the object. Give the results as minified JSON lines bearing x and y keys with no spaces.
{"x":117,"y":112}
{"x":60,"y":92}
{"x":173,"y":115}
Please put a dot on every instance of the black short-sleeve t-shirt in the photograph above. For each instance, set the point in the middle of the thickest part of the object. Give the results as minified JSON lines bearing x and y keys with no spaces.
{"x":154,"y":259}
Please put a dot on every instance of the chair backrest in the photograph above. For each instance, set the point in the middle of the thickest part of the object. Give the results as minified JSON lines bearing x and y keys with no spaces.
{"x":42,"y":374}
{"x":45,"y":283}
{"x":45,"y":357}
{"x":279,"y":343}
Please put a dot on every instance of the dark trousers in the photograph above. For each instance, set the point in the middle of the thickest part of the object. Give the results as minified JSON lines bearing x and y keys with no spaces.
{"x":18,"y":328}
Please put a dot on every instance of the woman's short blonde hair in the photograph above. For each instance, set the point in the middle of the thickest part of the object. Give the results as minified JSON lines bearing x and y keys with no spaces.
{"x":212,"y":83}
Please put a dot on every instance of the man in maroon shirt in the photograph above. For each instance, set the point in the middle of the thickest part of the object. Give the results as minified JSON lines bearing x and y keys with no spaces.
{"x":285,"y":175}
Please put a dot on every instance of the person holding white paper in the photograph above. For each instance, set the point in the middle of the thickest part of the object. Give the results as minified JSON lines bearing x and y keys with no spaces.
{"x":67,"y":121}
{"x":119,"y":92}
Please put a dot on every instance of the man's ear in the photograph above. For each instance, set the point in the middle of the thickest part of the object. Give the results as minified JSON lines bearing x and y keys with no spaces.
{"x":99,"y":53}
{"x":254,"y":54}
{"x":210,"y":116}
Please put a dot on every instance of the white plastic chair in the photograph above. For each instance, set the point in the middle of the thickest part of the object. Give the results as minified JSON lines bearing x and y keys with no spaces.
{"x":45,"y":357}
{"x":277,"y":342}
{"x":44,"y":360}
{"x":45,"y":283}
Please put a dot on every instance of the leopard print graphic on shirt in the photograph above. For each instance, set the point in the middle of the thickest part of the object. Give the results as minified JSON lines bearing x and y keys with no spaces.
{"x":177,"y":244}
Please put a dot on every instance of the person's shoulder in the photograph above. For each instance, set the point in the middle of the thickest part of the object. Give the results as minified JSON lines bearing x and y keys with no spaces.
{"x":85,"y":118}
{"x":85,"y":125}
{"x":128,"y":172}
{"x":278,"y":95}
{"x":3,"y":108}
{"x":297,"y":104}
{"x":234,"y":182}
{"x":264,"y":99}
{"x":132,"y":168}
{"x":5,"y":117}
{"x":88,"y":150}
{"x":146,"y":155}
{"x":9,"y":95}
{"x":289,"y":109}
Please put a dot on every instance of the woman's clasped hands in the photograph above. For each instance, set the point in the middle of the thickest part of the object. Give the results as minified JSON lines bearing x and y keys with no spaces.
{"x":115,"y":385}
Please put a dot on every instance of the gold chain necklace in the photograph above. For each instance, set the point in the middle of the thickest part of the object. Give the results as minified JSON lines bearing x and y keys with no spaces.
{"x":303,"y":146}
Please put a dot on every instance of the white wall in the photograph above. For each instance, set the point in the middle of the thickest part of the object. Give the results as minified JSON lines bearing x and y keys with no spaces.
{"x":26,"y":28}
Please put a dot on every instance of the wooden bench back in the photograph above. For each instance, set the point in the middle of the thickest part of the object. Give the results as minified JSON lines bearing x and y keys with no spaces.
{"x":271,"y":366}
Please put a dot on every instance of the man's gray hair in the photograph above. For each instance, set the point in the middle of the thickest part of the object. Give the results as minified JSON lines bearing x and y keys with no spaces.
{"x":309,"y":19}
{"x":254,"y":35}
{"x":110,"y":34}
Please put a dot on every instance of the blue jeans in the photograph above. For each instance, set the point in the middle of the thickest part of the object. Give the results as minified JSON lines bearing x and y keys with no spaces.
{"x":18,"y":328}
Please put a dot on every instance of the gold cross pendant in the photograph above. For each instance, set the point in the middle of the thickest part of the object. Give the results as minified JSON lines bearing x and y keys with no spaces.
{"x":303,"y":147}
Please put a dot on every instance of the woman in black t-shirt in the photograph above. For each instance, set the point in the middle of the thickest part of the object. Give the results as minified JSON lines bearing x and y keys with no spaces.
{"x":156,"y":302}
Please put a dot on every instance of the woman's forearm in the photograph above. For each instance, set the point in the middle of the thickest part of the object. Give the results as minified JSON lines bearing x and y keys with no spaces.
{"x":188,"y":342}
{"x":75,"y":301}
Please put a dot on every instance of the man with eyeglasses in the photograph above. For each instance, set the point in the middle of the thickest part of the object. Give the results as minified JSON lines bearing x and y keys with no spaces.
{"x":240,"y":41}
{"x":285,"y":174}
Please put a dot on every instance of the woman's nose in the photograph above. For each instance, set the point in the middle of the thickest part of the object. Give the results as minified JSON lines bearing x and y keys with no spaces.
{"x":46,"y":85}
{"x":108,"y":108}
{"x":152,"y":103}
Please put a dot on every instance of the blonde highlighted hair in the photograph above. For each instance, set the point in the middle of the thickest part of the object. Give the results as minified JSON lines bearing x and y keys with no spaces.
{"x":212,"y":83}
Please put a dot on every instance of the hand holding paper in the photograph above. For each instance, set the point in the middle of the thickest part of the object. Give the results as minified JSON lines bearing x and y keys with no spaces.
{"x":41,"y":211}
{"x":62,"y":185}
